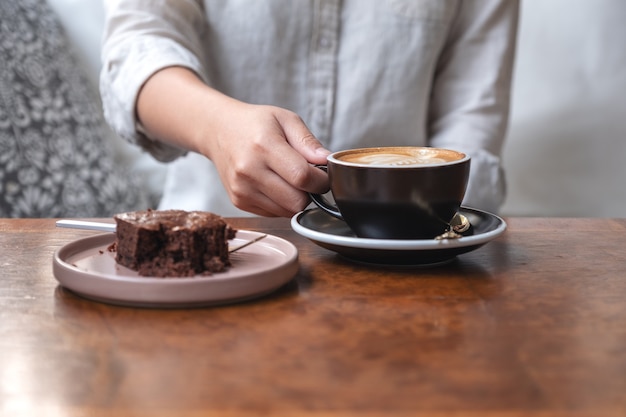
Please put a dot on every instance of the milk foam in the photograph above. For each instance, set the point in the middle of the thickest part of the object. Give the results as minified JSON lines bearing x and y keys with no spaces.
{"x":396,"y":160}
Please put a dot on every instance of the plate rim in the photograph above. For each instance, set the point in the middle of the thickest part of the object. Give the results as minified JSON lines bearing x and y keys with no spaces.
{"x":65,"y":273}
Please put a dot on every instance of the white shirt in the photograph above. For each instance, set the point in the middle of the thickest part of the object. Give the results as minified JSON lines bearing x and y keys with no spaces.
{"x":358,"y":72}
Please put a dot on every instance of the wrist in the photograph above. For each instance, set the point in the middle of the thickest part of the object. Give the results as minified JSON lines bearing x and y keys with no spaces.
{"x":176,"y":107}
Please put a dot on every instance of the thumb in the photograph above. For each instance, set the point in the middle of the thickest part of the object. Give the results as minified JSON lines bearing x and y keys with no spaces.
{"x":303,"y":141}
{"x":311,"y":148}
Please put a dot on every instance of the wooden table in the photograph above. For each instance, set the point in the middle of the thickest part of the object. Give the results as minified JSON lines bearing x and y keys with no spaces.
{"x":533,"y":323}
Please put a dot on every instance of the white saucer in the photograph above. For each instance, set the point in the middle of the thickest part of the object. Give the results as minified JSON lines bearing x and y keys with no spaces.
{"x":334,"y":234}
{"x":86,"y":267}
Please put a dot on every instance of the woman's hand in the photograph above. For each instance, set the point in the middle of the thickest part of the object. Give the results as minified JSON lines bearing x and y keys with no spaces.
{"x":264,"y":154}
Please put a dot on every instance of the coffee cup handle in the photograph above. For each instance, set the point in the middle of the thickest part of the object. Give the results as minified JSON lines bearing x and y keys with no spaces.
{"x":322,"y":202}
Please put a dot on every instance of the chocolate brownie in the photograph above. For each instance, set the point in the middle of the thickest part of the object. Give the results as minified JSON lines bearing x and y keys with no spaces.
{"x":172,"y":243}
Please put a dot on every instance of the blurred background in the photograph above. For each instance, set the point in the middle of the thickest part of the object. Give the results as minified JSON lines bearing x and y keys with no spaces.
{"x":566,"y":148}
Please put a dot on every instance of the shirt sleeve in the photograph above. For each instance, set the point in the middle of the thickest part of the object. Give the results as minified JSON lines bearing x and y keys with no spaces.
{"x":140,"y":38}
{"x":471,"y":93}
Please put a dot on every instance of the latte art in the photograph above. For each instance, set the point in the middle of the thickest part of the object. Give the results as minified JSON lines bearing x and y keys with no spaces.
{"x":391,"y":159}
{"x":400,"y":157}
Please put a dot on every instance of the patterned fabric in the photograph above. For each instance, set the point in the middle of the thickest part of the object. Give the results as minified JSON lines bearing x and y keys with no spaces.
{"x":54,"y":157}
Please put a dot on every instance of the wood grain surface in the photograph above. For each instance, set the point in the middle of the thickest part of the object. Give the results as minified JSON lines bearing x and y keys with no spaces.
{"x":531,"y":324}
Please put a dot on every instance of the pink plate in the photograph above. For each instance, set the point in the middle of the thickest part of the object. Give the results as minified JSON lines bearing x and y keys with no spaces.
{"x":86,"y":267}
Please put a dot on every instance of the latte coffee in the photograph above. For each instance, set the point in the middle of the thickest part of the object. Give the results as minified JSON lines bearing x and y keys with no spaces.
{"x":395,"y":192}
{"x":399,"y":156}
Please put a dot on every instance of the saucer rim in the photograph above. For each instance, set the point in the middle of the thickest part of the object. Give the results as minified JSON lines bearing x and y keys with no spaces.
{"x":400,"y":244}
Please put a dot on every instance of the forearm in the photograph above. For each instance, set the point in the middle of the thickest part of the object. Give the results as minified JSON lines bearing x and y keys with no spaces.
{"x":176,"y":107}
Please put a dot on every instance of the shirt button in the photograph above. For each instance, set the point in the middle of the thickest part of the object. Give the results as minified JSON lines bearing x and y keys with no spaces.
{"x":324,"y":43}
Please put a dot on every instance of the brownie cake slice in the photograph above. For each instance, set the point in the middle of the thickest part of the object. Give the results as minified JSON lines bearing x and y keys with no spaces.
{"x":172,"y":243}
